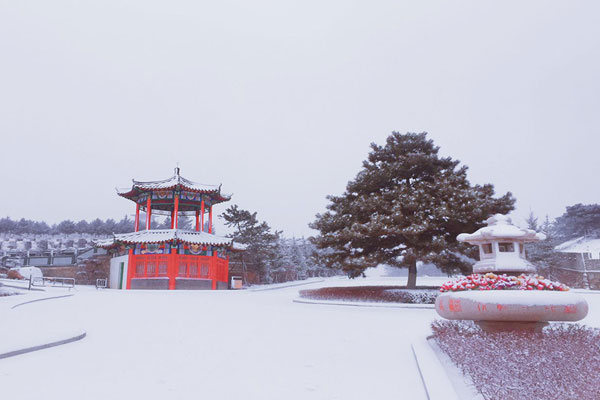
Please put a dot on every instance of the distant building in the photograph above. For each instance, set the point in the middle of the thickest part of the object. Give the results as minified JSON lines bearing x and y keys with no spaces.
{"x":581,"y":260}
{"x":59,"y":255}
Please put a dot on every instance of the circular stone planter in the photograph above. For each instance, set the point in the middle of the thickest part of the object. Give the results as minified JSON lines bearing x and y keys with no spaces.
{"x":512,"y":305}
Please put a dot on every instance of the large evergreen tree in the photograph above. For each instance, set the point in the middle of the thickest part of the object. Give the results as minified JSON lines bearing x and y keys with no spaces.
{"x":406,"y":204}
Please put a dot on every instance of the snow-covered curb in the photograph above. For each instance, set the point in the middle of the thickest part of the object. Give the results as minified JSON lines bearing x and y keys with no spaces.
{"x":70,"y":335}
{"x":363,"y":304}
{"x":437,"y":384}
{"x":585,"y":291}
{"x":42,"y":299}
{"x":43,"y":346}
{"x":284,"y":285}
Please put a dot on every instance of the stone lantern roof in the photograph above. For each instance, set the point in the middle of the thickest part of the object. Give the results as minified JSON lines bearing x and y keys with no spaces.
{"x":500,"y":228}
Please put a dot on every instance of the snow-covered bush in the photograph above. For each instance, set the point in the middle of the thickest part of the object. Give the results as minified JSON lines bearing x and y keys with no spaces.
{"x":561,"y":362}
{"x":4,"y":291}
{"x":386,"y":294}
{"x":491,"y":281}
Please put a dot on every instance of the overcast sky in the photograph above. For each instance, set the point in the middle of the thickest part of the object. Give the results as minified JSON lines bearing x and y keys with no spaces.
{"x":279,"y":100}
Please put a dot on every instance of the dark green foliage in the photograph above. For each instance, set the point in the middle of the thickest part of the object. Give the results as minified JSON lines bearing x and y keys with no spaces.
{"x":406,"y":204}
{"x":542,"y":254}
{"x":579,"y":220}
{"x":261,"y":243}
{"x":66,"y":226}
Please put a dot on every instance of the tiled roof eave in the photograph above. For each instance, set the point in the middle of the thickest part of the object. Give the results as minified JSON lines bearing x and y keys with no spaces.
{"x":166,"y":236}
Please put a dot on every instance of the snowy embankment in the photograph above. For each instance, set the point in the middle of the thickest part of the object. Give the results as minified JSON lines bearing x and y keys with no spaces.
{"x":34,"y":319}
{"x":283,"y":285}
{"x":226,"y":345}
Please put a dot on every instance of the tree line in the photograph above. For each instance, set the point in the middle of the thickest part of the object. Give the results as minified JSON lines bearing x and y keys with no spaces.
{"x":95,"y":227}
{"x":268,"y":257}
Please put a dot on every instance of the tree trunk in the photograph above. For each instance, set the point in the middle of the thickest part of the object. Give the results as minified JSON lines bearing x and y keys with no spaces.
{"x":412,"y":276}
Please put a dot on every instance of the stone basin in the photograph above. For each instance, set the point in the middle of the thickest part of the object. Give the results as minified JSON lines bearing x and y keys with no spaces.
{"x":512,"y":305}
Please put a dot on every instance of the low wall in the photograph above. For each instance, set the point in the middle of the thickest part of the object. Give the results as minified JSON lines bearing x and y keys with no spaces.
{"x":193,"y":284}
{"x":150,"y":283}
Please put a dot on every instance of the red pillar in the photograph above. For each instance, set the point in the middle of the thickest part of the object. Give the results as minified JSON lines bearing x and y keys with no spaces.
{"x":227,"y":269}
{"x":202,"y":213}
{"x":172,"y":219}
{"x":137,"y":217}
{"x":210,"y":220}
{"x":172,"y":267}
{"x":148,"y":211}
{"x":213,"y":267}
{"x":130,"y":268}
{"x":176,"y":210}
{"x":197,"y":220}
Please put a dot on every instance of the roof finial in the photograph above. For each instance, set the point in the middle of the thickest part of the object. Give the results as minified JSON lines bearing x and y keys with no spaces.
{"x":177,"y":168}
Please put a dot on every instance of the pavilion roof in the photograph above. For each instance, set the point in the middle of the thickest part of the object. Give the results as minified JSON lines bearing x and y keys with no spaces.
{"x":176,"y":181}
{"x":168,"y":236}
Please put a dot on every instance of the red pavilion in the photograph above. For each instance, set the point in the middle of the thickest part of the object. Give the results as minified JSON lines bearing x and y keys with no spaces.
{"x":171,"y":258}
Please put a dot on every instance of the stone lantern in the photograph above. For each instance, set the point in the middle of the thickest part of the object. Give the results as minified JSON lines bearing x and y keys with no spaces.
{"x":503,"y":293}
{"x":502,"y":246}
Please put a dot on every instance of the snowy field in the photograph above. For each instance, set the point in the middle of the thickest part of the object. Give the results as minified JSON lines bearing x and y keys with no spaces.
{"x":223,"y":344}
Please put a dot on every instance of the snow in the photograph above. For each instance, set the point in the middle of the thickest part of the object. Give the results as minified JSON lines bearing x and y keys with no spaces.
{"x":168,"y":235}
{"x":519,"y":297}
{"x":4,"y":291}
{"x":462,"y":385}
{"x":170,"y":183}
{"x":500,"y":227}
{"x":580,"y":245}
{"x":225,"y":344}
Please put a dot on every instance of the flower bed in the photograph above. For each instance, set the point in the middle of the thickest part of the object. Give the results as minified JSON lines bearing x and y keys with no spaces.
{"x":491,"y":281}
{"x":385,"y":294}
{"x":561,"y":362}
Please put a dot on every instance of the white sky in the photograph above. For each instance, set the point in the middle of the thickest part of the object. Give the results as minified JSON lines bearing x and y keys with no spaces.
{"x":279,"y":100}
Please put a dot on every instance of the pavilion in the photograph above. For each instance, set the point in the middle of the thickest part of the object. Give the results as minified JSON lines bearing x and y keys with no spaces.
{"x":171,"y":258}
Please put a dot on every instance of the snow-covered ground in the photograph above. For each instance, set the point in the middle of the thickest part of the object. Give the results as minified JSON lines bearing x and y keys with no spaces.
{"x":220,"y":344}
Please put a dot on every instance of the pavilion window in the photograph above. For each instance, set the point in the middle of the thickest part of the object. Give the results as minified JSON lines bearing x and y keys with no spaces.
{"x":151,"y":269}
{"x":193,"y":270}
{"x":204,"y":270}
{"x":487,"y":248}
{"x":162,"y":268}
{"x":183,"y":269}
{"x":139,"y":269}
{"x":506,"y":247}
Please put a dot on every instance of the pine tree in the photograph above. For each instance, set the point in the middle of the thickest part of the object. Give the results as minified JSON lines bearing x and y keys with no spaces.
{"x":579,"y":220}
{"x":407,"y":204}
{"x":542,"y":254}
{"x":532,"y":221}
{"x":66,"y":226}
{"x":261,"y":243}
